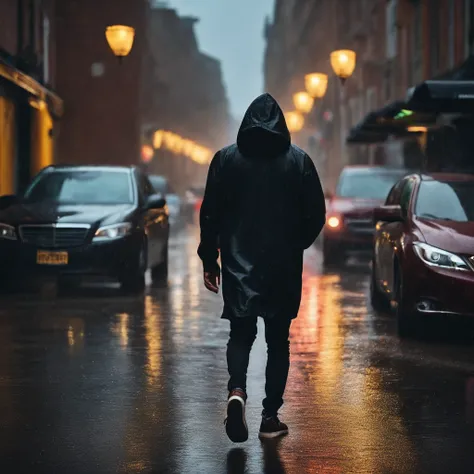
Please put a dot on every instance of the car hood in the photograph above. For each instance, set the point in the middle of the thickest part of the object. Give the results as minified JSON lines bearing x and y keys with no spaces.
{"x":352,"y":205}
{"x":46,"y":213}
{"x":456,"y":237}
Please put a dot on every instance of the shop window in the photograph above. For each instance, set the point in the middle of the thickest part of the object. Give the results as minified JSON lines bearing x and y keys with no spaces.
{"x":391,"y":28}
{"x":468,"y":27}
{"x":434,"y":36}
{"x":451,"y":32}
{"x":417,"y":44}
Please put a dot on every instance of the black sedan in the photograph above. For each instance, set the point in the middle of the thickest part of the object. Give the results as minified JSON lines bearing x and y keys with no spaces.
{"x":76,"y":221}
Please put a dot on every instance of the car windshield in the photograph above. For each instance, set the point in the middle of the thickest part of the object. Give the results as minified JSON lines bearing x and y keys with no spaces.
{"x":367,"y":185}
{"x":445,"y":200}
{"x":172,"y":199}
{"x":159,"y":184}
{"x":82,"y":187}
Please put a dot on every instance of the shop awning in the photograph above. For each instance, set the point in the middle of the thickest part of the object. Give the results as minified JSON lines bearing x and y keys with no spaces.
{"x":393,"y":120}
{"x":442,"y":97}
{"x":54,"y":102}
{"x":358,"y":135}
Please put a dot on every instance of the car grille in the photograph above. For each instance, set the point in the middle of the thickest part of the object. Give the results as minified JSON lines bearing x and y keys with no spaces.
{"x":54,"y":235}
{"x":360,"y":226}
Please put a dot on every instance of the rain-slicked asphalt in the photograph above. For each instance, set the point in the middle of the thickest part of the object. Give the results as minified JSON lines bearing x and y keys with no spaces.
{"x":93,"y":382}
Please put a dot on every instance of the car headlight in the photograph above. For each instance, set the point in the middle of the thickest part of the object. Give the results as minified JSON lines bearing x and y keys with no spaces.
{"x":7,"y":232}
{"x":115,"y":231}
{"x":334,"y":221}
{"x":440,"y":258}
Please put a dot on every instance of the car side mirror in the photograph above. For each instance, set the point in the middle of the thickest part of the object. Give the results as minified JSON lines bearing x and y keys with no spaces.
{"x":8,"y":200}
{"x":156,"y":201}
{"x":388,"y":214}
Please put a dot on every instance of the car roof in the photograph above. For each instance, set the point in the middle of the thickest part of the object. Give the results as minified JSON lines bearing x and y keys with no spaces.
{"x":380,"y":169}
{"x":447,"y":177}
{"x":158,"y":177}
{"x":91,"y":168}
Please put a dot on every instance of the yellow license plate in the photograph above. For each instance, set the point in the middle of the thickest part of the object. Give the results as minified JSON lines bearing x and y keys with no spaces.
{"x":51,"y":258}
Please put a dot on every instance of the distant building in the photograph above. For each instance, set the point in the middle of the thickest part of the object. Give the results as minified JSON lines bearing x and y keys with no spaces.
{"x":183,"y":92}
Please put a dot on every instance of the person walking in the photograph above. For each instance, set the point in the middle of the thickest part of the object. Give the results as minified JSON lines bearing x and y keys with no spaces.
{"x":263,"y":206}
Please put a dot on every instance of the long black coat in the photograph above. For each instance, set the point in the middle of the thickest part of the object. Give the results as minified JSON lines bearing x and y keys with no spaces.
{"x":263,"y":206}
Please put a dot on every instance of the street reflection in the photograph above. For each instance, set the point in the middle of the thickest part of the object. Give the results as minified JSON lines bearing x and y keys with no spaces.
{"x":121,"y":328}
{"x":345,"y":386}
{"x":153,"y":339}
{"x":75,"y":335}
{"x":139,"y":384}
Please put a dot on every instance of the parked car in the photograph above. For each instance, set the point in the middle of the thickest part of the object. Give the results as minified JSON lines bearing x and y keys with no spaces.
{"x":173,"y":200}
{"x":349,"y":224}
{"x":423,"y":255}
{"x":76,"y":221}
{"x":193,"y":200}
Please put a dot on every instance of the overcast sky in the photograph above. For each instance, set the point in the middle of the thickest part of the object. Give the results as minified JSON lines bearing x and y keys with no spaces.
{"x":232,"y":31}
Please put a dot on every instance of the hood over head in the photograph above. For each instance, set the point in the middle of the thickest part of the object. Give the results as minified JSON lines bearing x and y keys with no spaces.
{"x":263,"y":131}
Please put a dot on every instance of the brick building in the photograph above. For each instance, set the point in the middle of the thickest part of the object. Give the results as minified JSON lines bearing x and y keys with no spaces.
{"x":101,"y":122}
{"x":29,"y":108}
{"x":399,"y":43}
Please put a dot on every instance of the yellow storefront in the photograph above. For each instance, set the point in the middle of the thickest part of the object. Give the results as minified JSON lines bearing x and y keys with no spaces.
{"x":7,"y":146}
{"x":25,"y":105}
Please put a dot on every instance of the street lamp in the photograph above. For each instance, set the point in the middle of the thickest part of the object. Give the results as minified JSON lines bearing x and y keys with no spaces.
{"x":294,"y":121}
{"x":303,"y":102}
{"x":120,"y":39}
{"x":343,"y":63}
{"x":147,"y":153}
{"x":316,"y":84}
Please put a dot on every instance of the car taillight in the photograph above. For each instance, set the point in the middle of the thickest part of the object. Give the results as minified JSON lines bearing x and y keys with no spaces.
{"x":334,"y":222}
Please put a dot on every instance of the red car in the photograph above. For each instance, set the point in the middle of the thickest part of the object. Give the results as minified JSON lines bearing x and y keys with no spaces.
{"x":423,"y":257}
{"x":349,"y":221}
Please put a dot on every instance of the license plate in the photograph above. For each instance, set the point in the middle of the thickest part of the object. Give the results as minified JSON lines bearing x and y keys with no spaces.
{"x":52,"y":258}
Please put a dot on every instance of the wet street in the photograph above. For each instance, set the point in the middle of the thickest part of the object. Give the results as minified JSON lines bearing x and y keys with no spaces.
{"x":94,"y":382}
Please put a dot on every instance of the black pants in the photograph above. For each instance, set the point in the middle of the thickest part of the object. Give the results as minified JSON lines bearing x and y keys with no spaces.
{"x":242,"y":335}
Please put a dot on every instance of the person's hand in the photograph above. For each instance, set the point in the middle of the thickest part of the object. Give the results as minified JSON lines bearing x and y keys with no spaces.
{"x":212,"y":279}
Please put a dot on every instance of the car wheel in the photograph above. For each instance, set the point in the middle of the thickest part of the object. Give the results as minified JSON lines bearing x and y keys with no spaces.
{"x":378,"y":300}
{"x":159,"y":273}
{"x":134,"y":280}
{"x":407,"y":321}
{"x":333,"y":254}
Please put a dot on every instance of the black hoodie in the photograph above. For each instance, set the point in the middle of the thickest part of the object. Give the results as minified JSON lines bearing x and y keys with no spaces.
{"x":262,"y":207}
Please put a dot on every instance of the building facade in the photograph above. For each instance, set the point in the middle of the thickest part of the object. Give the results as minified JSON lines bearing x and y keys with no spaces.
{"x":29,"y":107}
{"x":183,"y":92}
{"x":101,"y":123}
{"x":399,"y":43}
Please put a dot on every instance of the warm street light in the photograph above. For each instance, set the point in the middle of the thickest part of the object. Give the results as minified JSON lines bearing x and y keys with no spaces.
{"x":303,"y":102}
{"x":417,"y":128}
{"x":179,"y":145}
{"x":147,"y":153}
{"x":316,"y":84}
{"x":343,"y":63}
{"x":120,"y":39}
{"x":294,"y":121}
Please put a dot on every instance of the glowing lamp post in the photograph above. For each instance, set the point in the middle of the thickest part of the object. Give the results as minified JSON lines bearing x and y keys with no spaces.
{"x":343,"y":63}
{"x":316,"y":84}
{"x":294,"y":121}
{"x":147,"y":153}
{"x":120,"y":39}
{"x":303,"y":102}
